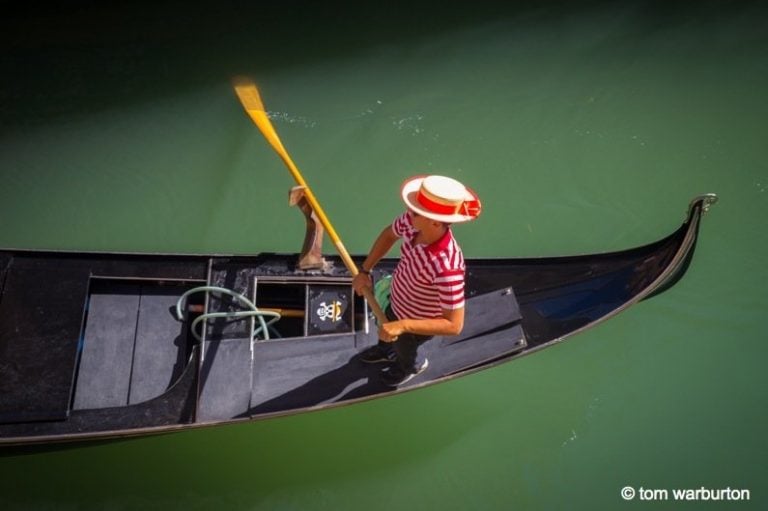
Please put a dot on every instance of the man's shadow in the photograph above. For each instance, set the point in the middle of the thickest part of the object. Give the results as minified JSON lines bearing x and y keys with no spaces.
{"x":353,"y":380}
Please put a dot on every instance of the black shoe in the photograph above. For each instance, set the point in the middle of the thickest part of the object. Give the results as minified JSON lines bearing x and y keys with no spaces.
{"x":395,"y":376}
{"x":376,"y":354}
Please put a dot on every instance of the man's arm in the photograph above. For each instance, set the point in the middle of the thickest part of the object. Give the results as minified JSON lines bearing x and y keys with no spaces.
{"x":380,"y":247}
{"x":451,"y":323}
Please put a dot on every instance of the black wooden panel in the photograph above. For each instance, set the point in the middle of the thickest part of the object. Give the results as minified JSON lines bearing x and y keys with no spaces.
{"x":492,"y":329}
{"x":141,"y":266}
{"x":174,"y":407}
{"x":160,"y":351}
{"x":238,"y":278}
{"x":295,"y":373}
{"x":446,"y":360}
{"x":5,"y":263}
{"x":40,"y":319}
{"x":149,"y":267}
{"x":104,"y":376}
{"x":486,"y":312}
{"x":225,"y":380}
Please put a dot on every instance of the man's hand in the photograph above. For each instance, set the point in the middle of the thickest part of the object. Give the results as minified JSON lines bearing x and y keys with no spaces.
{"x":361,"y":282}
{"x":389,"y":332}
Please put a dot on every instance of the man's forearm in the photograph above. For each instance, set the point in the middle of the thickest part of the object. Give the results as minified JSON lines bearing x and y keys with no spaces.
{"x":452,"y":323}
{"x":436,"y":326}
{"x":380,"y":247}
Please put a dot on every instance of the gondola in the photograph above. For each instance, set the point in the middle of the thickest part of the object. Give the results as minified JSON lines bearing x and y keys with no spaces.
{"x":99,"y":345}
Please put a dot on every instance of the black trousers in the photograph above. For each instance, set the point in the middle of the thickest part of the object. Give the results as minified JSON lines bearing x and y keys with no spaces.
{"x":409,"y":356}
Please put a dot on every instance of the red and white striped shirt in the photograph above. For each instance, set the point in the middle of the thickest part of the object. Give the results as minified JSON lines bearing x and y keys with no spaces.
{"x":428,"y":278}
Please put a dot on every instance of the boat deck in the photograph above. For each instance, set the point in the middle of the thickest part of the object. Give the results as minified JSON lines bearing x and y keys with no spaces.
{"x":90,"y":347}
{"x":103,"y":333}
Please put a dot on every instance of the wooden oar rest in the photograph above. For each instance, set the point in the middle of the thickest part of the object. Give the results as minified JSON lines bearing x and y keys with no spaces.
{"x":311,"y":257}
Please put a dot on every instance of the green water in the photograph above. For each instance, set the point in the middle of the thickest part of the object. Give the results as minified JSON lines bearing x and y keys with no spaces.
{"x":584,"y":128}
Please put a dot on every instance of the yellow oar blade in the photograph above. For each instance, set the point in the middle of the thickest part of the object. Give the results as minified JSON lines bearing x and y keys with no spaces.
{"x":251,"y":99}
{"x":248,"y":93}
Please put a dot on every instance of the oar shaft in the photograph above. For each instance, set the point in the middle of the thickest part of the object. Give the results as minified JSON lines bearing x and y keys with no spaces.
{"x":251,"y":100}
{"x":342,"y":250}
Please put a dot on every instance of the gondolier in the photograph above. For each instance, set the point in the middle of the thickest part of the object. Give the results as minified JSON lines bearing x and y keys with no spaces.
{"x":427,"y":289}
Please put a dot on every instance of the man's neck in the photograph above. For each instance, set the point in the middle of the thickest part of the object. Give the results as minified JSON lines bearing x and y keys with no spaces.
{"x":431,"y":235}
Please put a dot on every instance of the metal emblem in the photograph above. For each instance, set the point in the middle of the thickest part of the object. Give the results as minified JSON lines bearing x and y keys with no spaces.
{"x":330,"y":311}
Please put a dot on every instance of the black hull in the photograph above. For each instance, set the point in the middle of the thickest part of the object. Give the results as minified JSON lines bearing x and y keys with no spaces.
{"x":89,"y":348}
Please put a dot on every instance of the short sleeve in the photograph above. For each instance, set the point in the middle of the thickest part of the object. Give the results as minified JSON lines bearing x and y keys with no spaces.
{"x":402,"y":225}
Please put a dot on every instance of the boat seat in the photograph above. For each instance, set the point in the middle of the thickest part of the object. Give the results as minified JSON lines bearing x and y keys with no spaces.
{"x":133,"y":348}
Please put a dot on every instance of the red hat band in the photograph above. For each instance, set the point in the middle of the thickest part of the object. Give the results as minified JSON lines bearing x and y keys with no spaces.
{"x":440,"y":206}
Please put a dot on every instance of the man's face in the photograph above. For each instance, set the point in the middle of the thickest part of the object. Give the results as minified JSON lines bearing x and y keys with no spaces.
{"x":421,"y":223}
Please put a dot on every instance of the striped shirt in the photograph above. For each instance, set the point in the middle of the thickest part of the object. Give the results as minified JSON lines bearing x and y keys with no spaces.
{"x":428,"y":278}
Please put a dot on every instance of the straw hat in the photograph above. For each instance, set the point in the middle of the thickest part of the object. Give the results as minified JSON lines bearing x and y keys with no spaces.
{"x":440,"y":198}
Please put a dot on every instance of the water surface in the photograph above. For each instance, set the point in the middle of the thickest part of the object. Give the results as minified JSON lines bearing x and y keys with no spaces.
{"x":584,"y":127}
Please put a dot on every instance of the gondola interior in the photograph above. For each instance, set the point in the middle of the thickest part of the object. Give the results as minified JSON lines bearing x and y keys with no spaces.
{"x":132,"y":348}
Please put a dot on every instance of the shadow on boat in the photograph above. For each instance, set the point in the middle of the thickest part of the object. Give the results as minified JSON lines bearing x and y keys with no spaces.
{"x":353,"y":380}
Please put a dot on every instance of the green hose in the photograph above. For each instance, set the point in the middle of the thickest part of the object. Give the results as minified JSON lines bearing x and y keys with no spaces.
{"x":252,"y":311}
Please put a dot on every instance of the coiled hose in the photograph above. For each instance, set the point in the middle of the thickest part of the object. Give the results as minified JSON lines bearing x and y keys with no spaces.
{"x":252,"y":312}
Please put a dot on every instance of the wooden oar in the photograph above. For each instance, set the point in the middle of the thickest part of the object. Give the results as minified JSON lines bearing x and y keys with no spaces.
{"x":249,"y":96}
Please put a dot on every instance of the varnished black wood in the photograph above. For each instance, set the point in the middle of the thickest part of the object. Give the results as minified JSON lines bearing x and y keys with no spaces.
{"x":55,"y":386}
